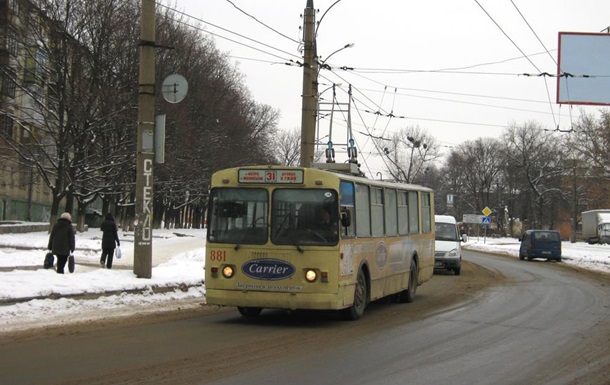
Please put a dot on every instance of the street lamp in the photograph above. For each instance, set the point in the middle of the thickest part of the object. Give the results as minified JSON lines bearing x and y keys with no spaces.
{"x":323,"y":62}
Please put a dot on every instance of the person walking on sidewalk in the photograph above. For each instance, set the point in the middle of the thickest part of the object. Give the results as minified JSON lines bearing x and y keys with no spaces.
{"x":110,"y":240}
{"x":62,"y":241}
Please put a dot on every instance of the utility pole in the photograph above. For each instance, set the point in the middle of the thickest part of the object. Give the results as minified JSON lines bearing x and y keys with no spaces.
{"x":142,"y":253}
{"x":574,"y":223}
{"x":310,"y":87}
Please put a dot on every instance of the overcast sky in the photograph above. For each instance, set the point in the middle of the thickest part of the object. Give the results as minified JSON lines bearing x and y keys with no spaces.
{"x":453,"y":67}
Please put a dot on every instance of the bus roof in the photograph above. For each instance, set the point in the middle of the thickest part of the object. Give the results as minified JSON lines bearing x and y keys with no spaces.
{"x":312,"y":172}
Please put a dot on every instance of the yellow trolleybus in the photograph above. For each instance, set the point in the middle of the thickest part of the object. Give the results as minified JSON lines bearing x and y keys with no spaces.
{"x":307,"y":238}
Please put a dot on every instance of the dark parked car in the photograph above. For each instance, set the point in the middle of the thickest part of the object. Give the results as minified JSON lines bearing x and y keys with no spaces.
{"x":540,"y":244}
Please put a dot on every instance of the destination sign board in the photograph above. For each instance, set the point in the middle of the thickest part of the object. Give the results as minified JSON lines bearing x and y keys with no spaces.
{"x":270,"y":176}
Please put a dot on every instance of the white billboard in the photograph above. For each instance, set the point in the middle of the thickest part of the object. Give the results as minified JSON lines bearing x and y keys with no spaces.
{"x":473,"y":218}
{"x":583,"y":69}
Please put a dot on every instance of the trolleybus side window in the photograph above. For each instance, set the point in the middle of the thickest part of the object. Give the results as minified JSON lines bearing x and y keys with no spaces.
{"x":363,"y":215}
{"x":403,"y":213}
{"x":377,"y":212}
{"x":391,"y":228}
{"x":426,"y":213}
{"x":413,"y":213}
{"x":238,"y":215}
{"x":347,"y":209}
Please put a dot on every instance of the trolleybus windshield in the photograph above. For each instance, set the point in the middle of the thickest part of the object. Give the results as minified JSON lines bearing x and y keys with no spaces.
{"x":304,"y":217}
{"x":238,"y":216}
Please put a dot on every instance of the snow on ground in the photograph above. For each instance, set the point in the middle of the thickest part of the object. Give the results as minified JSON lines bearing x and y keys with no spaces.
{"x":31,"y":296}
{"x":591,"y":257}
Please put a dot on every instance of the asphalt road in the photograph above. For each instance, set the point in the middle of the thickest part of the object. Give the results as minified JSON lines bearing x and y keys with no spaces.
{"x":502,"y":321}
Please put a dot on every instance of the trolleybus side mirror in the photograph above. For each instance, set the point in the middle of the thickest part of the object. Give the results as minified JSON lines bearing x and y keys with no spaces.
{"x":346,"y":219}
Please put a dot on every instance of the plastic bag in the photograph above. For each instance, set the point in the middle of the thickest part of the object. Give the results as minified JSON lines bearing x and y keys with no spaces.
{"x":71,"y":263}
{"x":48,"y":260}
{"x":118,"y":253}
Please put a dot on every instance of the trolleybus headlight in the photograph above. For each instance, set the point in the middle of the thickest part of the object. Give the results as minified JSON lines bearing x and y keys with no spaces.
{"x":228,"y":271}
{"x":311,"y":275}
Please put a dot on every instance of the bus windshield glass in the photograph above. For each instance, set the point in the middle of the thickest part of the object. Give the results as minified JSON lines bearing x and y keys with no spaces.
{"x":238,"y":216}
{"x":304,"y":217}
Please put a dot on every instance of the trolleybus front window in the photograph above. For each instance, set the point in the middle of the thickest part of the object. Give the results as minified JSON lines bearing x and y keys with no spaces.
{"x":304,"y":217}
{"x":239,"y":216}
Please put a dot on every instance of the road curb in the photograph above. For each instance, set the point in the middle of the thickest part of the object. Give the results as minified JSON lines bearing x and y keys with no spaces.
{"x":155,"y":289}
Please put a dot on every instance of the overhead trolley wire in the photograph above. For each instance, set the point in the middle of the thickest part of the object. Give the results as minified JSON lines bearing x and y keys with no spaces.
{"x":521,"y":51}
{"x":260,"y":22}
{"x":551,"y":56}
{"x":231,"y":32}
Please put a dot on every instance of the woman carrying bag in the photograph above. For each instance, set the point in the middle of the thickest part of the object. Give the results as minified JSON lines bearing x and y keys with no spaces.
{"x":62,"y":241}
{"x":110,"y":240}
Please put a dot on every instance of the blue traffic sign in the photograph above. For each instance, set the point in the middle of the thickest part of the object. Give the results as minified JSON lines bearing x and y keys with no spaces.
{"x":486,"y":221}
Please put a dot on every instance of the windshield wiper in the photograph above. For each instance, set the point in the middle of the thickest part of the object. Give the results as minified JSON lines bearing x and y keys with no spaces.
{"x":239,"y":241}
{"x":247,"y":230}
{"x":294,"y":242}
{"x":281,"y":226}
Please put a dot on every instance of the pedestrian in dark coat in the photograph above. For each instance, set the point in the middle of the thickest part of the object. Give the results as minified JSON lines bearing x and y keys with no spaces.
{"x":62,"y":241}
{"x":110,"y":239}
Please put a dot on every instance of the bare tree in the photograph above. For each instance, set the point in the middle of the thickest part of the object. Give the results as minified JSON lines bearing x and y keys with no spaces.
{"x":591,"y":140}
{"x":73,"y":96}
{"x":409,"y":152}
{"x":288,"y":147}
{"x":590,"y":145}
{"x":76,"y":127}
{"x":538,"y":155}
{"x":217,"y":126}
{"x":474,"y":167}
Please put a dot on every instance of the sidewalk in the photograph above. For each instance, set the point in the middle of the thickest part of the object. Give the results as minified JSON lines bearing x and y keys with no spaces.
{"x":174,"y":253}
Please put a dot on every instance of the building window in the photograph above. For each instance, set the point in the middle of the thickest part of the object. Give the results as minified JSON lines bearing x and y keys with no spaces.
{"x":8,"y":82}
{"x":11,"y":42}
{"x":6,"y":126}
{"x":35,"y":62}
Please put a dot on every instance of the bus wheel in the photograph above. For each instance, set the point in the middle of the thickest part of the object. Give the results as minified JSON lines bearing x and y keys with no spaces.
{"x":249,"y":311}
{"x":356,"y":311}
{"x":407,"y":296}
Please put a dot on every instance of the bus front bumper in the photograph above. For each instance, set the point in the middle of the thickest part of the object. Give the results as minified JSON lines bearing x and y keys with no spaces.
{"x":282,"y":300}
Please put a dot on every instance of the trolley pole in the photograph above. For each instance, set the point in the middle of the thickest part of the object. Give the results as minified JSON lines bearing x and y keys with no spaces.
{"x":142,"y":253}
{"x":310,"y":86}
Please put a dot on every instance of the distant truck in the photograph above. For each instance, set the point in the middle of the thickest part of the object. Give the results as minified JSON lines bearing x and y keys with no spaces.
{"x":596,"y":226}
